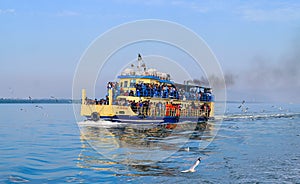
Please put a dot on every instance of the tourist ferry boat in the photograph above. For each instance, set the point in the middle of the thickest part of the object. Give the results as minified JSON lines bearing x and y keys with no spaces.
{"x":148,"y":96}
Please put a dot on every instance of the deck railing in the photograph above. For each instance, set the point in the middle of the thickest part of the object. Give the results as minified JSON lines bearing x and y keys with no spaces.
{"x":161,"y":112}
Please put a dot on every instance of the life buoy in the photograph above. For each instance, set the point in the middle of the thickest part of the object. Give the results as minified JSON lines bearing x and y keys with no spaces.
{"x":95,"y":116}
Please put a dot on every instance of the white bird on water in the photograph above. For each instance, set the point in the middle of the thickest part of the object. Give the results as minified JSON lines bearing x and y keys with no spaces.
{"x":187,"y":149}
{"x":192,"y":169}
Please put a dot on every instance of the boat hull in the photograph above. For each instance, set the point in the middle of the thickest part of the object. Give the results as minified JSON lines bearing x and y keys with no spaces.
{"x":152,"y":119}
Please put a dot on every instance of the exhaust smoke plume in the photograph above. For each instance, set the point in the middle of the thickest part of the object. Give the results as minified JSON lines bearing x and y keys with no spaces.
{"x":277,"y":80}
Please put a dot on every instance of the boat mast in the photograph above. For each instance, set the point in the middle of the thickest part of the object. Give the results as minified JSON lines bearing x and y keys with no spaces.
{"x":140,"y":64}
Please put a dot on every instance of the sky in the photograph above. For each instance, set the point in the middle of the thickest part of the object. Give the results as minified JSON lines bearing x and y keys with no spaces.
{"x":257,"y":43}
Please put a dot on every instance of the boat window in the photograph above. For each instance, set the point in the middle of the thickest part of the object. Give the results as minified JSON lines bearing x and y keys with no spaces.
{"x":132,"y":83}
{"x":125,"y":84}
{"x":121,"y":85}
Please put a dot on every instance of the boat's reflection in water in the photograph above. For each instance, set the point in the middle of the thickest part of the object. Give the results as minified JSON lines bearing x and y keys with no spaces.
{"x":139,"y":145}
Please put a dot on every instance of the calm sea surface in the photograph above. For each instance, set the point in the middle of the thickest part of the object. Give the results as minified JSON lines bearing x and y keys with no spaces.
{"x":44,"y":143}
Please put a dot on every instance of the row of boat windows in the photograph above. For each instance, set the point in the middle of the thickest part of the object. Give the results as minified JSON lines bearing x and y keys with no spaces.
{"x":132,"y":84}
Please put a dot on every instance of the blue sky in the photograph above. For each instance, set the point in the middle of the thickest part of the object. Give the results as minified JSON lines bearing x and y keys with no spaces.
{"x":257,"y":42}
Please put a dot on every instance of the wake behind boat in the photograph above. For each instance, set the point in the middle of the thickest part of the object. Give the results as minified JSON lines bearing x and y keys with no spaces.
{"x":148,"y":96}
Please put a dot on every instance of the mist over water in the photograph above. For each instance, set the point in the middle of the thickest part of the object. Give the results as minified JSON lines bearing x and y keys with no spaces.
{"x":269,"y":79}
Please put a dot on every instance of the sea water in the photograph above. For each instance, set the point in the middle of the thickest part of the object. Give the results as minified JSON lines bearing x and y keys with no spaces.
{"x":44,"y":143}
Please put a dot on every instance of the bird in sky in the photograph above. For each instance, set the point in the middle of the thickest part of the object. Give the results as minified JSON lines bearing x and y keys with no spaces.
{"x":241,"y":104}
{"x":53,"y":97}
{"x":38,"y":106}
{"x":22,"y":109}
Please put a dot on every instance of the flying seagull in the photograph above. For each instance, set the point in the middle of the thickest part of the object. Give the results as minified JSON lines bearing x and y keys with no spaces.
{"x":11,"y":90}
{"x":241,"y":104}
{"x":192,"y":169}
{"x":38,"y":106}
{"x":54,"y":98}
{"x":23,"y":110}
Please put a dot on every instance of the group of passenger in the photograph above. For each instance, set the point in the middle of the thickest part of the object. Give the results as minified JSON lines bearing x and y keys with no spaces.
{"x":140,"y":107}
{"x":172,"y":109}
{"x":206,"y":109}
{"x":196,"y":93}
{"x":111,"y":85}
{"x":155,"y":90}
{"x":162,"y":91}
{"x":102,"y":101}
{"x":148,"y":108}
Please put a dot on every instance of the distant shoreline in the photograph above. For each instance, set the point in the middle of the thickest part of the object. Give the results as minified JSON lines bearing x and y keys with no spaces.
{"x":35,"y":101}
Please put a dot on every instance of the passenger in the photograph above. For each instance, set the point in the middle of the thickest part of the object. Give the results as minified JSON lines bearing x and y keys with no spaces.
{"x":131,"y":93}
{"x":159,"y":91}
{"x":109,"y":85}
{"x":107,"y":100}
{"x":155,"y":91}
{"x":193,"y":105}
{"x":140,"y":106}
{"x":205,"y":108}
{"x":165,"y":92}
{"x":172,"y":109}
{"x":200,"y":95}
{"x":138,"y":94}
{"x":147,"y":107}
{"x":208,"y":110}
{"x":177,"y":109}
{"x":143,"y":89}
{"x":133,"y":106}
{"x":171,"y":94}
{"x":209,"y":98}
{"x":151,"y":90}
{"x":168,"y":109}
{"x":152,"y":109}
{"x":121,"y":91}
{"x":159,"y":108}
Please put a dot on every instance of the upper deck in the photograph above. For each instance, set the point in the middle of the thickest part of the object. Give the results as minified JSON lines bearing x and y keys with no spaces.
{"x":138,"y":81}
